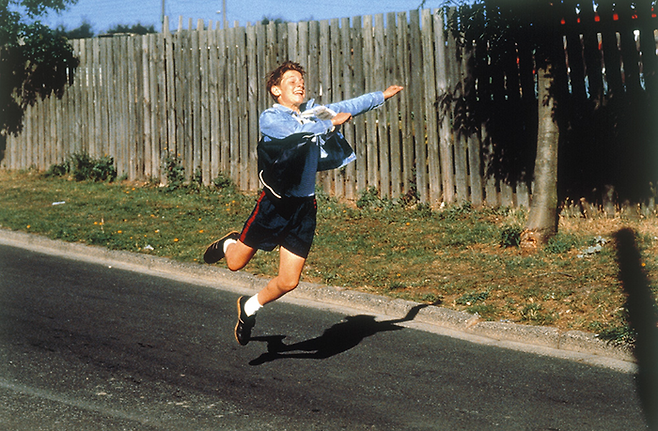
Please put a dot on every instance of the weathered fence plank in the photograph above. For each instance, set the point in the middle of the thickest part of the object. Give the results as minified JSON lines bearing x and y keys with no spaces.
{"x":370,"y":117}
{"x":346,"y":77}
{"x":325,"y":91}
{"x":404,"y":114}
{"x":147,"y":105}
{"x":430,"y":95}
{"x":204,"y":77}
{"x":254,"y":80}
{"x":417,"y":106}
{"x":393,"y":107}
{"x":358,"y":123}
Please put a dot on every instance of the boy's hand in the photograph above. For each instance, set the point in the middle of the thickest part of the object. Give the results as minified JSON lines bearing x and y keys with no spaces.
{"x":341,"y":118}
{"x":392,"y":91}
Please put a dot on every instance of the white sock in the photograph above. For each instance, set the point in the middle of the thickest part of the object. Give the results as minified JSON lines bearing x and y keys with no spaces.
{"x":228,"y":242}
{"x":252,"y":306}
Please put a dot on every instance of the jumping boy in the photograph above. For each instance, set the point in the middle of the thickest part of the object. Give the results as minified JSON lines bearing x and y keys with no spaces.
{"x":297,"y":140}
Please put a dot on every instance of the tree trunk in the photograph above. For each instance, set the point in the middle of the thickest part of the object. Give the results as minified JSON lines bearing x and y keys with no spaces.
{"x":543,"y":217}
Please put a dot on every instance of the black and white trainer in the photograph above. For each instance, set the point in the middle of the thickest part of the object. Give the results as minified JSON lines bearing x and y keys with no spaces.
{"x":215,"y":251}
{"x":245,"y":323}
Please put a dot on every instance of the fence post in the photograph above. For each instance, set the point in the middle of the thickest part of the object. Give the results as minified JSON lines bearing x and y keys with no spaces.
{"x":431,"y":53}
{"x":417,"y":106}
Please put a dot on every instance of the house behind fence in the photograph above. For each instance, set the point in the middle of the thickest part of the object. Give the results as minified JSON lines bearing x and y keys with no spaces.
{"x":197,"y":94}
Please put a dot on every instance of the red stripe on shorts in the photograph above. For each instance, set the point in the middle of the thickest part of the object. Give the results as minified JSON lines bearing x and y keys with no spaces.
{"x":247,"y":225}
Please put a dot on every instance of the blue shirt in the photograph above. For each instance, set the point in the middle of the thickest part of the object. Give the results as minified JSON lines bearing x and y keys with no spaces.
{"x":279,"y":122}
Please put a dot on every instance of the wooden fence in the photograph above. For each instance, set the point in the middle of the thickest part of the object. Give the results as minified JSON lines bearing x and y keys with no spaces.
{"x":197,"y":94}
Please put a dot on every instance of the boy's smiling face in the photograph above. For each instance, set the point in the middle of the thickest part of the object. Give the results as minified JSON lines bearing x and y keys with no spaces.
{"x":291,"y":91}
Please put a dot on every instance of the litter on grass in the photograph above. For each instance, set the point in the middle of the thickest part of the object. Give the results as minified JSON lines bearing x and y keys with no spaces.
{"x":599,"y":242}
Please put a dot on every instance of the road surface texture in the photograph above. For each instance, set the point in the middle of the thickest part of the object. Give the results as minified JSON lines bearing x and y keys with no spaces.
{"x":87,"y":346}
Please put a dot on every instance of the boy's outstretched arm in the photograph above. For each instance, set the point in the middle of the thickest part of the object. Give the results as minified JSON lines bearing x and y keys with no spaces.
{"x":392,"y":91}
{"x":344,"y":117}
{"x":341,"y":118}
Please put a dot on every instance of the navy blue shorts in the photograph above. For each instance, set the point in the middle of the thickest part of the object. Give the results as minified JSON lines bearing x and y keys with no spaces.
{"x":287,"y":222}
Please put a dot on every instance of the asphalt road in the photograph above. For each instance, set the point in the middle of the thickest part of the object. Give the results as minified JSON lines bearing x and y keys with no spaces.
{"x":88,"y":347}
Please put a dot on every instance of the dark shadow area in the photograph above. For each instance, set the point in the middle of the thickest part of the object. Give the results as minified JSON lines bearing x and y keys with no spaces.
{"x":606,"y":120}
{"x":335,"y":340}
{"x":643,"y":318}
{"x":611,"y":143}
{"x":3,"y":146}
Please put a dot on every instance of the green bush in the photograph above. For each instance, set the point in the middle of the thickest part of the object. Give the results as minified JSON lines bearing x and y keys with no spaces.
{"x":174,"y":172}
{"x":369,"y":199}
{"x":83,"y":167}
{"x":223,"y":182}
{"x":59,"y":170}
{"x":457,"y":212}
{"x":423,"y":210}
{"x":510,"y":236}
{"x":196,"y":182}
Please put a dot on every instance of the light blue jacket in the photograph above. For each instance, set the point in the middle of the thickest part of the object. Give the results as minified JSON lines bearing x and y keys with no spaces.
{"x":279,"y":122}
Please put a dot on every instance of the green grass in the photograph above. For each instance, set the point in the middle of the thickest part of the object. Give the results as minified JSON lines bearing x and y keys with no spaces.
{"x":460,"y":257}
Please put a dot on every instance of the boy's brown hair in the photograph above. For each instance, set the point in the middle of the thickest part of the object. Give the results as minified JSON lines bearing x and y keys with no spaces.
{"x":275,"y":76}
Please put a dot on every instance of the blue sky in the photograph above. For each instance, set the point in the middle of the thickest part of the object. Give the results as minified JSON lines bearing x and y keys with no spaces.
{"x":104,"y":14}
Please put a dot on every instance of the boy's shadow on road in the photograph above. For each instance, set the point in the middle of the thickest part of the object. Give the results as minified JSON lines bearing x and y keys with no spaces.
{"x":337,"y":339}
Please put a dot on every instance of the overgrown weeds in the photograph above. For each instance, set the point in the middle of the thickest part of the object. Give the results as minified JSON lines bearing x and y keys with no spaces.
{"x":461,"y":257}
{"x":83,"y":167}
{"x":174,"y":172}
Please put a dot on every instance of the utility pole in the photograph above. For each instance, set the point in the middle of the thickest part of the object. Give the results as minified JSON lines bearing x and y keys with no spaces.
{"x":223,"y":12}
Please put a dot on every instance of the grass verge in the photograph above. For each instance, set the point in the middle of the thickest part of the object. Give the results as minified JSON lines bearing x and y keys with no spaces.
{"x":460,"y":257}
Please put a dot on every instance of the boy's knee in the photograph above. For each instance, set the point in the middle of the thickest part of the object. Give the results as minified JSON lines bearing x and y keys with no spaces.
{"x":287,"y":284}
{"x":234,"y":266}
{"x":238,"y":255}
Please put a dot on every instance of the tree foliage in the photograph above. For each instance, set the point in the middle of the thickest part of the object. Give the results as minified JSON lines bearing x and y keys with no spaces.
{"x":35,"y":61}
{"x":84,"y":31}
{"x":269,"y":19}
{"x":132,"y":29}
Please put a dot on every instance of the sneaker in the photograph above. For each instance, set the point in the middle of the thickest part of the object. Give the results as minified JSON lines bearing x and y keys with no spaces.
{"x":245,"y":323}
{"x":215,"y":251}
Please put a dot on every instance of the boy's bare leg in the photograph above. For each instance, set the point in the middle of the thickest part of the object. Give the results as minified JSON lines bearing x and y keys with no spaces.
{"x":238,"y":255}
{"x":290,"y":271}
